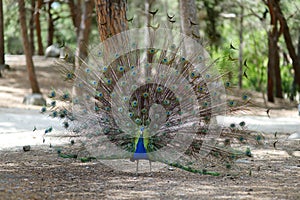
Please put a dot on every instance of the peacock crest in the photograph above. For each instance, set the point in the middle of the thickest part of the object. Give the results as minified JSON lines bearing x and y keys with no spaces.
{"x":140,"y":95}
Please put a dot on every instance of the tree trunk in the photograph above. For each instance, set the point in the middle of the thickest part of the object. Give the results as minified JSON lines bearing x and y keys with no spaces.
{"x":2,"y":61}
{"x":274,"y":78}
{"x":38,"y":27}
{"x":83,"y":33}
{"x":76,"y":15}
{"x":241,"y":47}
{"x":50,"y":24}
{"x":27,"y":50}
{"x":31,"y":27}
{"x":148,"y":8}
{"x":111,"y":16}
{"x":189,"y":16}
{"x":289,"y":44}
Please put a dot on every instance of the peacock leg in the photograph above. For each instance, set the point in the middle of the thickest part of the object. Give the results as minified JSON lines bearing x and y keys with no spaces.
{"x":150,"y":165}
{"x":137,"y":166}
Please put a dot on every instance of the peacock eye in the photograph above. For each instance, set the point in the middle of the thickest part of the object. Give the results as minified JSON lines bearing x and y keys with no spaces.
{"x":166,"y":102}
{"x":241,"y":139}
{"x":43,"y":109}
{"x":231,"y":103}
{"x":138,"y":121}
{"x":159,"y":89}
{"x":144,"y":110}
{"x":125,"y":99}
{"x":87,"y":70}
{"x":151,"y":50}
{"x":133,"y":73}
{"x":69,"y":75}
{"x":145,"y":95}
{"x":173,"y":46}
{"x":104,"y":69}
{"x":53,"y":103}
{"x":258,"y":137}
{"x":54,"y":114}
{"x":130,"y":114}
{"x":134,"y":104}
{"x":192,"y":75}
{"x":52,"y":94}
{"x":133,"y":87}
{"x":121,"y":69}
{"x":227,"y":84}
{"x":245,"y":97}
{"x":242,"y":124}
{"x":108,"y":81}
{"x":99,"y":94}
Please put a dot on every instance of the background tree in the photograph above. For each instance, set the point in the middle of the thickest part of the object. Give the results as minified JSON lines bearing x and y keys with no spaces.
{"x":2,"y":61}
{"x":81,"y":14}
{"x":38,"y":8}
{"x":289,"y":44}
{"x":273,"y":55}
{"x":26,"y":46}
{"x":50,"y":24}
{"x":32,"y":26}
{"x":189,"y":22}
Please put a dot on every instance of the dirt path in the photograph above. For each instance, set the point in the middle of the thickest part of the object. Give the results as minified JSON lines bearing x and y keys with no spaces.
{"x":41,"y":174}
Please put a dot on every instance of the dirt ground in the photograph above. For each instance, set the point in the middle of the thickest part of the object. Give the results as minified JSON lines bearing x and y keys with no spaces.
{"x":40,"y":174}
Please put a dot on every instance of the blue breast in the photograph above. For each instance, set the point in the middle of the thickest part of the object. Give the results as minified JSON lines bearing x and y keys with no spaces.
{"x":140,"y":152}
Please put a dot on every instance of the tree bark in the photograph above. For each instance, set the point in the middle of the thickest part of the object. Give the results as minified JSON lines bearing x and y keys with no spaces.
{"x":31,"y":27}
{"x":148,"y":8}
{"x":241,"y":47}
{"x":2,"y":61}
{"x":50,"y":24}
{"x":38,"y":27}
{"x":189,"y":16}
{"x":27,"y":50}
{"x":76,"y":15}
{"x":289,"y":43}
{"x":84,"y":30}
{"x":274,"y":78}
{"x":111,"y":16}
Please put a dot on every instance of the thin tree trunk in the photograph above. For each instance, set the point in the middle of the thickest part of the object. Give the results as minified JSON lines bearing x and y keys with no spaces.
{"x":27,"y":50}
{"x":76,"y":14}
{"x":84,"y":30}
{"x":270,"y":86}
{"x":50,"y":24}
{"x":148,"y":8}
{"x":31,"y":27}
{"x":241,"y":47}
{"x":38,"y":27}
{"x":2,"y":61}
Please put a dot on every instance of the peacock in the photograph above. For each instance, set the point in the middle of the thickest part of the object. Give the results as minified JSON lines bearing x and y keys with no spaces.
{"x":140,"y":96}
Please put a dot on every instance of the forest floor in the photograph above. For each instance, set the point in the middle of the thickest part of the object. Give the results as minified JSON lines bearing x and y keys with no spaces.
{"x":272,"y":173}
